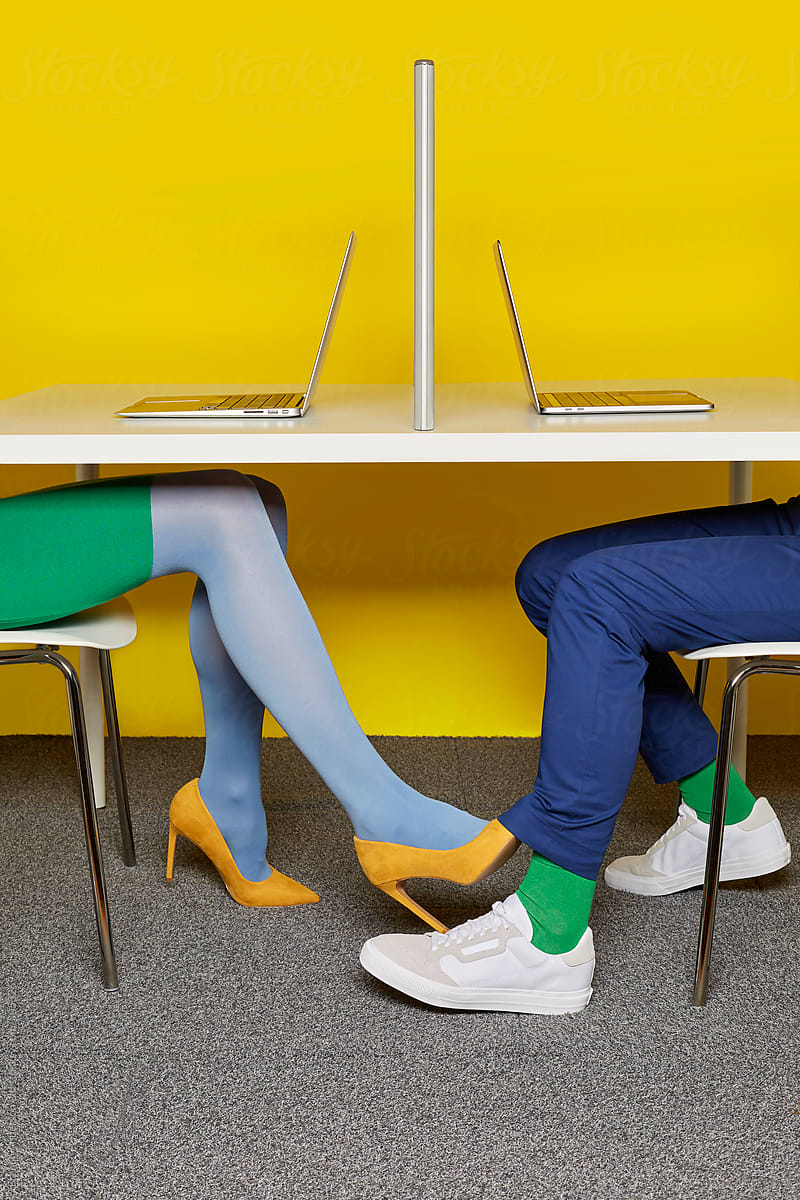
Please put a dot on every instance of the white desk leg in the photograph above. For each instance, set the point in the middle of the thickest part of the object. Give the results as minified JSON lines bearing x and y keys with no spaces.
{"x":740,"y":491}
{"x":92,"y":690}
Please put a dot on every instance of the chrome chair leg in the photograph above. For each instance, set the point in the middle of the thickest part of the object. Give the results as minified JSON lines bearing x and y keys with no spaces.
{"x":700,"y":680}
{"x":699,"y":692}
{"x":716,"y":829}
{"x":81,"y":746}
{"x":754,"y":666}
{"x":49,"y":655}
{"x":120,"y":782}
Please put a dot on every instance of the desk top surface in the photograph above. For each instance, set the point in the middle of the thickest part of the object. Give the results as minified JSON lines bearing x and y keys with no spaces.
{"x":754,"y":419}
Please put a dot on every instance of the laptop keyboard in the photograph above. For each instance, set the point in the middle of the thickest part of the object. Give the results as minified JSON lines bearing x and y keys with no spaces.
{"x":644,"y":398}
{"x":259,"y":400}
{"x":589,"y":399}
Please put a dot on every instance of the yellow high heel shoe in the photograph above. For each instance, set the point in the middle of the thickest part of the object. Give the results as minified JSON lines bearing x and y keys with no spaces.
{"x":389,"y":865}
{"x":189,"y":816}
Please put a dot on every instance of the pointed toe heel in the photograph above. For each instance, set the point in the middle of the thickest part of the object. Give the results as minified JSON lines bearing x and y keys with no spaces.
{"x":189,"y":817}
{"x":389,"y":865}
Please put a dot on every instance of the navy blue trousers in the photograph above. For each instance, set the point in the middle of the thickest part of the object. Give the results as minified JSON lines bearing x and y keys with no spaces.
{"x":612,"y":602}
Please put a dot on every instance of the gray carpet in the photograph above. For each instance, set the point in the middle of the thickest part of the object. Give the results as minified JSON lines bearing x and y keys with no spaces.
{"x":248,"y":1055}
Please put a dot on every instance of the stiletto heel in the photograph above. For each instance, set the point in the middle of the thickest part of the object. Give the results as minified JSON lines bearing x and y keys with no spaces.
{"x":189,"y":816}
{"x":399,"y":893}
{"x":389,"y":865}
{"x":173,"y":837}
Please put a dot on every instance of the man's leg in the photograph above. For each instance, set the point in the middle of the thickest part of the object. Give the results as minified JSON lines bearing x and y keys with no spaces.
{"x":677,"y":740}
{"x":611,"y":610}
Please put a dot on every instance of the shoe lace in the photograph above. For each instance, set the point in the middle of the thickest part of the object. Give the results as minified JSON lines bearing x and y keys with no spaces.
{"x":685,"y":815}
{"x":477,"y":927}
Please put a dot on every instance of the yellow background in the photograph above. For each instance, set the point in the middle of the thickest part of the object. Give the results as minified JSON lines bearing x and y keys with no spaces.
{"x":177,"y":187}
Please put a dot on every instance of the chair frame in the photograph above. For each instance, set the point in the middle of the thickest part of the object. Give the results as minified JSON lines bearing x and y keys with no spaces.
{"x":49,"y":656}
{"x":753,"y":665}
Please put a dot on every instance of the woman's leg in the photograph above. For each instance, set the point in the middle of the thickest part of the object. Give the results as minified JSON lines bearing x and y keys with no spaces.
{"x":83,"y":544}
{"x":230,"y":782}
{"x":213,"y":524}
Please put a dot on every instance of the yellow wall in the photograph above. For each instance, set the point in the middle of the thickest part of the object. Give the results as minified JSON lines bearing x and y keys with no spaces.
{"x":178,"y":186}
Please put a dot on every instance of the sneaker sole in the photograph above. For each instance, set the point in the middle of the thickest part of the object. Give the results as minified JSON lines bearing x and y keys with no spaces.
{"x":665,"y":885}
{"x":481,"y":999}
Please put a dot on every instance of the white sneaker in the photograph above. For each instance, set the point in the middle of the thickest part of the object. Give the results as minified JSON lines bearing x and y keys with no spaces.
{"x":488,"y":963}
{"x":754,"y":846}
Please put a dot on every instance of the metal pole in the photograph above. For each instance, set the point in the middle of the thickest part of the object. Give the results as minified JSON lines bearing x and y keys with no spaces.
{"x":423,"y":243}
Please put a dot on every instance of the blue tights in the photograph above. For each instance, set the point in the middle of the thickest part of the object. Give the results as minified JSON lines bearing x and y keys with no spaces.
{"x":255,"y":645}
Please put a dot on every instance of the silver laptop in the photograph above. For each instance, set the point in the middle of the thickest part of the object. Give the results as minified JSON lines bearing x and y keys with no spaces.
{"x":568,"y":404}
{"x":256,"y":404}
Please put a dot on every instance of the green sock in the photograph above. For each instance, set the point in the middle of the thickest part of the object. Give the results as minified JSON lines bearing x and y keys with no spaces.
{"x":557,"y":903}
{"x":697,"y":790}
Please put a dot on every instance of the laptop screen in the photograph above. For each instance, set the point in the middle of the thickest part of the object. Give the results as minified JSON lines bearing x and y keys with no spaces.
{"x":516,"y":328}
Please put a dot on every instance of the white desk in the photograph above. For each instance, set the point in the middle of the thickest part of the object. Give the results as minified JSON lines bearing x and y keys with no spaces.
{"x":755,"y":419}
{"x":479,"y":422}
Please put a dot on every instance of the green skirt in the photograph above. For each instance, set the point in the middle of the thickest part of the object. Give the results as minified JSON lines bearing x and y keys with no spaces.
{"x":68,"y":548}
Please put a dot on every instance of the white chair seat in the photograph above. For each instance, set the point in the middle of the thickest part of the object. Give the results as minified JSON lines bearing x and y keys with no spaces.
{"x":105,"y":627}
{"x":742,"y":650}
